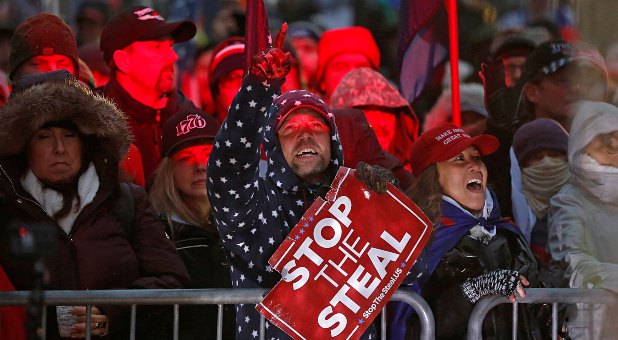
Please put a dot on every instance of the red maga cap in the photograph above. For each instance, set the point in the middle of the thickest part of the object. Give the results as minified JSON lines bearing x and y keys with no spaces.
{"x":445,"y":142}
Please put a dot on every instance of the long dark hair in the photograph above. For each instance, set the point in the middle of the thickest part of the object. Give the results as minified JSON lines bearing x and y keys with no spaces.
{"x":427,"y":193}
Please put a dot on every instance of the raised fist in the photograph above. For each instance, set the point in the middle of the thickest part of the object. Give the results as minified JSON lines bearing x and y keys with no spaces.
{"x":273,"y":63}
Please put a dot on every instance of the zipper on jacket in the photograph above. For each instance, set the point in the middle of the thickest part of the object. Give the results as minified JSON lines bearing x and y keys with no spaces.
{"x":18,"y":195}
{"x":157,"y":132}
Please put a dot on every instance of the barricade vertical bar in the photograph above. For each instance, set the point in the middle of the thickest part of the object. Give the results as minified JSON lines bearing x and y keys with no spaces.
{"x":554,"y":321}
{"x":383,"y":324}
{"x":176,"y":310}
{"x":219,"y":322}
{"x":262,"y":327}
{"x":133,"y":322}
{"x":515,"y":319}
{"x":88,"y":322}
{"x":44,"y":323}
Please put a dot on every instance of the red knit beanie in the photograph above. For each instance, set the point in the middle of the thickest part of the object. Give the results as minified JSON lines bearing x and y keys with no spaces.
{"x":42,"y":34}
{"x":338,"y":41}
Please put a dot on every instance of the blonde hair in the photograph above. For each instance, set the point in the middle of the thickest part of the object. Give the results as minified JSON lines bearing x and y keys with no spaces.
{"x":165,"y":198}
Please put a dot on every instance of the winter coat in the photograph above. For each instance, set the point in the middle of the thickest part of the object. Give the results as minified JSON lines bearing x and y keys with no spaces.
{"x":204,"y":256}
{"x":97,"y":253}
{"x":453,"y":257}
{"x":253,"y":214}
{"x":582,"y":228}
{"x":360,"y":143}
{"x":146,"y":122}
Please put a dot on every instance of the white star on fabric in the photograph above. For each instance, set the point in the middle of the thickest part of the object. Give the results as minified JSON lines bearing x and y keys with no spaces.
{"x":265,"y":84}
{"x":248,"y":88}
{"x":251,"y":264}
{"x":232,"y":160}
{"x":252,"y":103}
{"x":218,"y":163}
{"x":254,"y":333}
{"x":283,"y":102}
{"x":238,"y":123}
{"x":269,"y":269}
{"x":229,"y":237}
{"x":306,"y":95}
{"x":248,"y":145}
{"x":274,"y":213}
{"x":299,"y":203}
{"x":247,"y":319}
{"x":271,"y":240}
{"x":261,"y":250}
{"x":298,"y":102}
{"x":237,"y":107}
{"x":246,"y":249}
{"x":259,"y":278}
{"x":263,"y":109}
{"x":223,"y":180}
{"x":228,"y":143}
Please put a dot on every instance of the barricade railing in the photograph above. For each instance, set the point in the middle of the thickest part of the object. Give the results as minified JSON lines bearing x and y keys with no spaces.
{"x":555,"y":296}
{"x":177,"y":297}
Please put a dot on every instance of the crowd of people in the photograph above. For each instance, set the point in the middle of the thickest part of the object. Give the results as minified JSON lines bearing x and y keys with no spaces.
{"x":149,"y":185}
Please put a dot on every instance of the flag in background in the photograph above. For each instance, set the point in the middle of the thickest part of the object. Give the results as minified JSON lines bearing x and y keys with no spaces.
{"x":257,"y":34}
{"x":423,"y":44}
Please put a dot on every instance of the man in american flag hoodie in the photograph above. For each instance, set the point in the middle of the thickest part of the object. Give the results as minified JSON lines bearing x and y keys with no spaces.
{"x":254,"y":214}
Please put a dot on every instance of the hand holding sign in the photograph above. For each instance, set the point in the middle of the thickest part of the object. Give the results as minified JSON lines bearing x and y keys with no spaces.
{"x":273,"y":63}
{"x":344,"y":260}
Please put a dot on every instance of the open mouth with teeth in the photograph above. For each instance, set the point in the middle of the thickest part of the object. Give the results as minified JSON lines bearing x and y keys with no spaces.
{"x":306,"y":152}
{"x":475,"y":185}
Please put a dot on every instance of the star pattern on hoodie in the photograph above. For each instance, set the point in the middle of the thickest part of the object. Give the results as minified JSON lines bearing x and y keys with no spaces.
{"x":253,"y":214}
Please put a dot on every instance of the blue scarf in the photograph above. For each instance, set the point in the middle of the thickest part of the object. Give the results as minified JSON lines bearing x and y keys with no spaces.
{"x":454,"y":224}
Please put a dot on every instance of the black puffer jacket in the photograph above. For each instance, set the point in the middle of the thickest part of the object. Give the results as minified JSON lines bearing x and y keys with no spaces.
{"x":203,"y":254}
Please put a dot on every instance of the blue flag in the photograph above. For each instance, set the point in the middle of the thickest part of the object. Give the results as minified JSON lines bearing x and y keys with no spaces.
{"x":423,"y":44}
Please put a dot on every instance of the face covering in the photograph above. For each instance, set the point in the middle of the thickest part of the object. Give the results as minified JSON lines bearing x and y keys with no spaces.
{"x":542,"y":180}
{"x":598,"y":179}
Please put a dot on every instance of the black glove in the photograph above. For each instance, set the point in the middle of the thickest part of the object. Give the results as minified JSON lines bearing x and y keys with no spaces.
{"x":375,"y":177}
{"x":501,"y":102}
{"x":503,"y":282}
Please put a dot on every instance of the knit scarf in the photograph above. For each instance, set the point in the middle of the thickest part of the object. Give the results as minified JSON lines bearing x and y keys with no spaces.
{"x":51,"y":200}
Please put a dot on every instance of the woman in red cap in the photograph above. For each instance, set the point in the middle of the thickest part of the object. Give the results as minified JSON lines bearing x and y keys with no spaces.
{"x":474,"y":251}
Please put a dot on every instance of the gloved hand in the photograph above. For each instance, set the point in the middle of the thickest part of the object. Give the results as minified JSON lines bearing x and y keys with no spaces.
{"x":272,"y":62}
{"x":375,"y":177}
{"x":504,"y":282}
{"x":500,"y":101}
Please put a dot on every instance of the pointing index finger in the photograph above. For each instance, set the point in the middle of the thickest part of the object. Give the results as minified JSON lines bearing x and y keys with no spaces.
{"x":281,"y":36}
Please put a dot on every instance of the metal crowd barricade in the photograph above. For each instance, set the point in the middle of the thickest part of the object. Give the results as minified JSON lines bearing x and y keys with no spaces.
{"x":177,"y":297}
{"x":554,"y":296}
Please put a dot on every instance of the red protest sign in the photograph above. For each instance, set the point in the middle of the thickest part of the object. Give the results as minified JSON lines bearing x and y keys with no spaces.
{"x":343,"y":260}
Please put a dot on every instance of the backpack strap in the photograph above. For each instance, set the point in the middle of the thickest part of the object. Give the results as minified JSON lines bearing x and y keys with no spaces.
{"x":124,"y":209}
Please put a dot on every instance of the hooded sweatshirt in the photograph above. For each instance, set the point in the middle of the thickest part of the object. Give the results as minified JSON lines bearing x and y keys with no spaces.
{"x":254,"y":214}
{"x":582,"y":219}
{"x":367,"y":88}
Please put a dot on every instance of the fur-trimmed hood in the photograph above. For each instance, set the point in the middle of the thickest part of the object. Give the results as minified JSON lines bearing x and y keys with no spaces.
{"x":27,"y":111}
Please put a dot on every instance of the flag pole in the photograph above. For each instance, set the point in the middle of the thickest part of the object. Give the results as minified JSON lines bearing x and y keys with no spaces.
{"x":451,"y":9}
